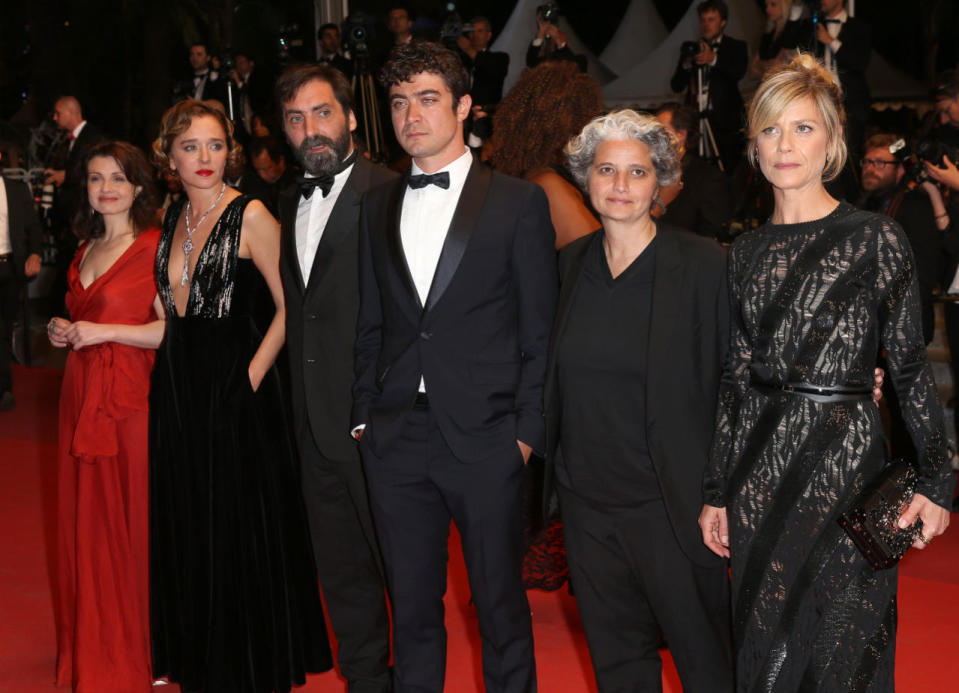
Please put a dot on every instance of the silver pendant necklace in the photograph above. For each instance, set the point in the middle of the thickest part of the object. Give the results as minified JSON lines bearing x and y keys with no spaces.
{"x":188,"y":241}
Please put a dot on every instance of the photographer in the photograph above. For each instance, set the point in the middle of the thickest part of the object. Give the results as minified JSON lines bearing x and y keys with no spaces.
{"x":329,"y":37}
{"x":918,"y":207}
{"x":722,"y":62}
{"x":487,"y":70}
{"x":550,"y":41}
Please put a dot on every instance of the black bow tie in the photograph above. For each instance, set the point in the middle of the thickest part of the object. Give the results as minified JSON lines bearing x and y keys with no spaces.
{"x":308,"y":185}
{"x":440,"y":180}
{"x":831,"y":21}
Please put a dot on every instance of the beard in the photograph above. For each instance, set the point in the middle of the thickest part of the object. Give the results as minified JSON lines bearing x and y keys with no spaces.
{"x":327,"y":162}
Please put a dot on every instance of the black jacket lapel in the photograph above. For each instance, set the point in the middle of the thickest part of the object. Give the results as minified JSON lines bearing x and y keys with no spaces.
{"x":342,"y":220}
{"x":461,"y":228}
{"x":288,"y":201}
{"x":667,"y":288}
{"x":394,"y":210}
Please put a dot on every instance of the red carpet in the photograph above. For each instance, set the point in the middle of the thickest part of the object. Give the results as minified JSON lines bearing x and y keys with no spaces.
{"x":926,"y":658}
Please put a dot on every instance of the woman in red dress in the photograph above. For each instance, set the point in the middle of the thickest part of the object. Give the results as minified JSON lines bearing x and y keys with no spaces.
{"x":102,"y":603}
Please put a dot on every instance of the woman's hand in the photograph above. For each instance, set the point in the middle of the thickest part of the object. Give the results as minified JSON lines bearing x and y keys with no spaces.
{"x":83,"y":334}
{"x":56,"y":330}
{"x":715,"y":526}
{"x":934,"y":518}
{"x":256,"y":378}
{"x":878,"y":376}
{"x":947,"y":175}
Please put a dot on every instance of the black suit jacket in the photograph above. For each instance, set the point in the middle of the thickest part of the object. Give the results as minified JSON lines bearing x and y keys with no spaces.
{"x":688,"y":335}
{"x":725,"y":101}
{"x":25,"y":238}
{"x":480,"y":341}
{"x":852,"y":59}
{"x":704,"y":205}
{"x":68,"y":197}
{"x":488,"y":71}
{"x":339,"y":62}
{"x":321,"y":315}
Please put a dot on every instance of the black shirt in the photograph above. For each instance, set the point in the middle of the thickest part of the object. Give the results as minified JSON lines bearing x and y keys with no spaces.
{"x":602,"y":382}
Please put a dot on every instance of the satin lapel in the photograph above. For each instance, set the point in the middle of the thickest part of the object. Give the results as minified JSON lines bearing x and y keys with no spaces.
{"x":667,"y":288}
{"x":343,"y":219}
{"x":566,"y":292}
{"x":394,"y":209}
{"x":457,"y":238}
{"x":287,"y":203}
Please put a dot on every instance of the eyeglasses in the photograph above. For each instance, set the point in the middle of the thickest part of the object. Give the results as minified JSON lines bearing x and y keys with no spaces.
{"x":878,"y":164}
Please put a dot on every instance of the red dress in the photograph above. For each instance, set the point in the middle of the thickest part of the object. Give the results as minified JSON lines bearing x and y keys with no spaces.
{"x":102,"y":603}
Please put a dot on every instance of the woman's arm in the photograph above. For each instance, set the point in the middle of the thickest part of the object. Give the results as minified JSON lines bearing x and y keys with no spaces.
{"x":911,"y":376}
{"x":571,"y":218}
{"x":84,"y":333}
{"x":260,"y":240}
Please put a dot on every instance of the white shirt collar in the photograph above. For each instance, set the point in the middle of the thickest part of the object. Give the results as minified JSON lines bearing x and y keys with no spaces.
{"x":79,"y":128}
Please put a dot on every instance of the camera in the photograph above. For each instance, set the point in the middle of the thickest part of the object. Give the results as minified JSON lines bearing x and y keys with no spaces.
{"x":358,"y":30}
{"x":453,"y":27}
{"x":548,"y":12}
{"x":690,"y":49}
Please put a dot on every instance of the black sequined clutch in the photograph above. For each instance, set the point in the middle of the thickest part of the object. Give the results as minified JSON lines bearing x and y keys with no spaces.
{"x":872,"y":520}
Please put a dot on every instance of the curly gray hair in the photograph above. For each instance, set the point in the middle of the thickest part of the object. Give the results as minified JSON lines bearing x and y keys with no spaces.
{"x":625,"y":124}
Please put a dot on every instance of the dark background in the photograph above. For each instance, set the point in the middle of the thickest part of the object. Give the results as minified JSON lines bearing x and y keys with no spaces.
{"x":121,"y":57}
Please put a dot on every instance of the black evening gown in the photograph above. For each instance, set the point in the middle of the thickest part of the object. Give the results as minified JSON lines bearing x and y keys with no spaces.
{"x":815,"y":302}
{"x":234,"y":601}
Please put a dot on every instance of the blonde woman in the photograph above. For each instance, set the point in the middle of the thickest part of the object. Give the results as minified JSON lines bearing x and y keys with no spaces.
{"x":815,"y":294}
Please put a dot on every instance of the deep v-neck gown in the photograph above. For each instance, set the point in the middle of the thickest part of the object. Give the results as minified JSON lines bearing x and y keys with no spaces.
{"x":103,"y":633}
{"x":234,"y":600}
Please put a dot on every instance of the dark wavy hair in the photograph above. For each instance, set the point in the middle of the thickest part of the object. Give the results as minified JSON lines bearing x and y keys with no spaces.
{"x":416,"y":57}
{"x":295,"y":76}
{"x":546,"y":107}
{"x":177,"y":120}
{"x":87,"y":222}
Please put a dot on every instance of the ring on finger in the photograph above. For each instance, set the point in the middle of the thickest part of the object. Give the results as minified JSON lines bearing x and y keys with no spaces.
{"x":923,"y":539}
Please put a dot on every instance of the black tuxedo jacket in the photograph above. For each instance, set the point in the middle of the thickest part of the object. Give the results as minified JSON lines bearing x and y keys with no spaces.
{"x":321,"y":315}
{"x":488,"y":70}
{"x":68,"y":197}
{"x":704,"y":204}
{"x":852,"y":59}
{"x":726,"y":103}
{"x":340,"y":62}
{"x":480,"y":341}
{"x":688,"y":335}
{"x":25,"y":238}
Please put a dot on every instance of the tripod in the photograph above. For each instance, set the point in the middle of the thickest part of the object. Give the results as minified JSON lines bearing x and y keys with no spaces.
{"x":707,"y":141}
{"x":364,"y":86}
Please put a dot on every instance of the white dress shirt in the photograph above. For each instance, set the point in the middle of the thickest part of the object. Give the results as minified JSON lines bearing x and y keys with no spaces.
{"x":5,"y":246}
{"x":833,"y":28}
{"x":75,"y":134}
{"x":311,"y":218}
{"x":425,"y":221}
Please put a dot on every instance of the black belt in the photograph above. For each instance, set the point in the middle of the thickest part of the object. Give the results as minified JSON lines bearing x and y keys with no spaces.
{"x":826,"y":395}
{"x":421,"y":401}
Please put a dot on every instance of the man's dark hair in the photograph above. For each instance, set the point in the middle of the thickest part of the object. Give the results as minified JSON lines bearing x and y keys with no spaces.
{"x":476,"y":20}
{"x":417,"y":57}
{"x":713,"y":6}
{"x":206,"y":46}
{"x":271,"y":145}
{"x":684,"y":118}
{"x":295,"y":76}
{"x":328,"y":25}
{"x":947,"y":85}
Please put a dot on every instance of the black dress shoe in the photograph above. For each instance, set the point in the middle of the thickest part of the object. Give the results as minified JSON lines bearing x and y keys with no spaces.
{"x":7,"y":402}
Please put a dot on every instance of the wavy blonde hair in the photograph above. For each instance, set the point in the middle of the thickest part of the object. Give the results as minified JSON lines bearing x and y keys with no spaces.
{"x":803,"y":77}
{"x":177,"y":120}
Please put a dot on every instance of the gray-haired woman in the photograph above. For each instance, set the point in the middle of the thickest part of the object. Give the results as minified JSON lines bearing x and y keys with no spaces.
{"x":631,"y":387}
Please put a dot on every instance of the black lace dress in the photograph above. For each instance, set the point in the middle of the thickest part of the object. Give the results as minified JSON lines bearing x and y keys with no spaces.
{"x":815,"y":302}
{"x":234,"y":601}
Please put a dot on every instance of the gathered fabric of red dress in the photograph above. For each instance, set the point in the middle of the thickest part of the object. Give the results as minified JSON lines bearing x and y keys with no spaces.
{"x":102,"y":600}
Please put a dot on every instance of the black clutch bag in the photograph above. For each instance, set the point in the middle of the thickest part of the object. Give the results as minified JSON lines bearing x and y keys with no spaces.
{"x":872,"y":520}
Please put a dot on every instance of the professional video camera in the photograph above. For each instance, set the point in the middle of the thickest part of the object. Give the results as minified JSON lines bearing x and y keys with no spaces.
{"x":549,"y":12}
{"x":359,"y":33}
